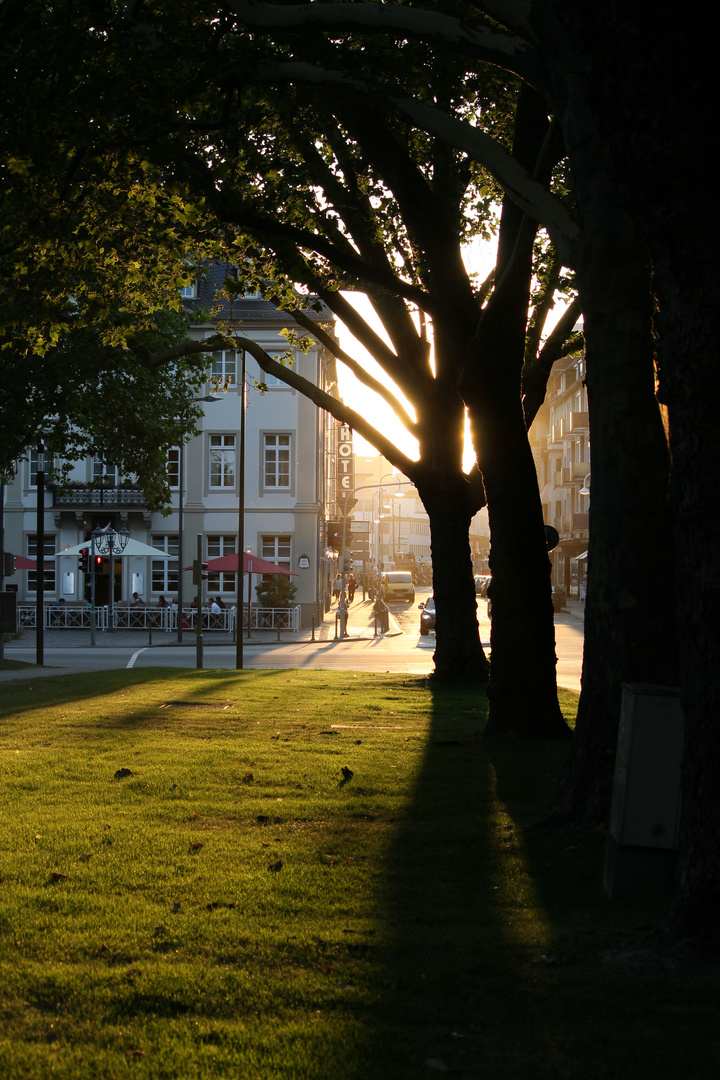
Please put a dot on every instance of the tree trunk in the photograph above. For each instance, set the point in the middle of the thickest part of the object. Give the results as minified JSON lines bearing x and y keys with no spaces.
{"x":629,"y":624}
{"x":522,"y":691}
{"x":629,"y":617}
{"x":690,"y":307}
{"x":459,"y":654}
{"x":678,"y":220}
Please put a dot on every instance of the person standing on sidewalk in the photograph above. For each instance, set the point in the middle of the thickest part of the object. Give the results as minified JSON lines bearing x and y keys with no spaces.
{"x":337,"y":587}
{"x":351,"y":587}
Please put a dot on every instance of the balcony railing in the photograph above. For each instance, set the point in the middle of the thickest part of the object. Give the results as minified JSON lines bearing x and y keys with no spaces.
{"x":575,"y":472}
{"x":78,"y":617}
{"x":578,"y":421}
{"x":95,"y":495}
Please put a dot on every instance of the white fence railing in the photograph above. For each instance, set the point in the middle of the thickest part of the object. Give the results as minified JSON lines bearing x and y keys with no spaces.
{"x":78,"y":617}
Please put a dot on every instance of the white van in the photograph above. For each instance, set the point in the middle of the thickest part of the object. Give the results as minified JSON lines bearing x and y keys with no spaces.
{"x":398,"y":585}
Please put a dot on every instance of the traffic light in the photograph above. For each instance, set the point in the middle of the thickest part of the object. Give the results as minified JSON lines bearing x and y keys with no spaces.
{"x":84,"y":561}
{"x":98,"y":563}
{"x":8,"y":564}
{"x":334,"y":535}
{"x":199,"y":574}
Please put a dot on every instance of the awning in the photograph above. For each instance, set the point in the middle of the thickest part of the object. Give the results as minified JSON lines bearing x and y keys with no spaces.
{"x":22,"y":562}
{"x":133,"y":547}
{"x":252,"y":564}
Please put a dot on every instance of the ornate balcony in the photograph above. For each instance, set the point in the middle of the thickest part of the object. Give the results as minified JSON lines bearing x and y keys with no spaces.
{"x":92,"y":496}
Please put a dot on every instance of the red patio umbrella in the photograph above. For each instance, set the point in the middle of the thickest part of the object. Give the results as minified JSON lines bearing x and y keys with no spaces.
{"x":252,"y":564}
{"x":22,"y":562}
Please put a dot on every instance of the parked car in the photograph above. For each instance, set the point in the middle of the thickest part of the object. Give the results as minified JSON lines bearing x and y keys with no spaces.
{"x":481,"y":583}
{"x":398,"y":585}
{"x":558,"y":599}
{"x":427,"y":616}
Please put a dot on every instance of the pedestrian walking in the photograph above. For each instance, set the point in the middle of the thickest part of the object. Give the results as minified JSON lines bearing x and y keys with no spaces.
{"x":351,"y":587}
{"x":337,"y":587}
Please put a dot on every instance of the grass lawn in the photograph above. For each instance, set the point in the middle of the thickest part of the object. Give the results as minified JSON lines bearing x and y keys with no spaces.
{"x":237,"y":905}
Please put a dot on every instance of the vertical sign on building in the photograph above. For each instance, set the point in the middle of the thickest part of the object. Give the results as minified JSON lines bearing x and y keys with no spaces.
{"x":345,"y":471}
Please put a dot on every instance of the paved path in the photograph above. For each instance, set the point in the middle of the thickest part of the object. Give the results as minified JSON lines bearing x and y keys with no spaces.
{"x":402,"y":649}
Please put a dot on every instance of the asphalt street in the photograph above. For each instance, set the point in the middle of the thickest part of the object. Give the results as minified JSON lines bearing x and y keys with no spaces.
{"x":401,"y":650}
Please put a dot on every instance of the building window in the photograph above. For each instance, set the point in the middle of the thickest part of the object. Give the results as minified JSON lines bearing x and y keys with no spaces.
{"x":188,"y":292}
{"x":173,"y":467}
{"x":222,"y":461}
{"x":222,"y":582}
{"x":277,"y":549}
{"x":49,"y":467}
{"x":164,"y":572}
{"x":271,"y":381}
{"x":224,"y":367}
{"x":104,"y":472}
{"x":276,"y":461}
{"x":48,"y":561}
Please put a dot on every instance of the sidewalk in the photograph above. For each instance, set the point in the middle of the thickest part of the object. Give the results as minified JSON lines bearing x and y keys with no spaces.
{"x":361,"y":626}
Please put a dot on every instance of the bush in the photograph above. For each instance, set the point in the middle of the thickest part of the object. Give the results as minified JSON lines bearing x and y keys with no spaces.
{"x":275,"y":591}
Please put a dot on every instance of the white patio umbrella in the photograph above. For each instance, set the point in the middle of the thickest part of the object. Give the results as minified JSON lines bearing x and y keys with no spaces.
{"x":133,"y":547}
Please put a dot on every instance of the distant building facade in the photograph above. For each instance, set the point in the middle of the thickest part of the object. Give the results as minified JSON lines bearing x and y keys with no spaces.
{"x":289,"y":483}
{"x":560,"y":437}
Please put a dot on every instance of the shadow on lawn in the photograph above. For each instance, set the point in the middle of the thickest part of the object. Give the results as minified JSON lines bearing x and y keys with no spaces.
{"x":469,"y":983}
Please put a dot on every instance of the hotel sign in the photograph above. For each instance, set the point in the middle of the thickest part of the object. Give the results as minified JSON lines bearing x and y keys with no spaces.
{"x":345,"y":468}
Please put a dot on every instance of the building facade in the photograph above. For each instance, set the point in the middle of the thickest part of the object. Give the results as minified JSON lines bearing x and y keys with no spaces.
{"x":560,"y":438}
{"x":288,"y":444}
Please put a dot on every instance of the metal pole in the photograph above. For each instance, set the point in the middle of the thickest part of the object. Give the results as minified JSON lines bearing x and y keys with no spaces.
{"x":2,"y":558}
{"x":181,"y":480}
{"x":198,"y":629}
{"x":239,"y":659}
{"x":111,"y":590}
{"x":40,"y":558}
{"x":92,"y":588}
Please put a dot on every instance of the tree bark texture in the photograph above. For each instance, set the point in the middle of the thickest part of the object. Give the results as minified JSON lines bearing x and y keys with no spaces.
{"x":668,"y":179}
{"x":458,"y":655}
{"x":630,"y":630}
{"x":523,"y":689}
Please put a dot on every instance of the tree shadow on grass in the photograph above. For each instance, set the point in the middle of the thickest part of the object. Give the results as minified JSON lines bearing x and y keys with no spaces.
{"x":495,"y":965}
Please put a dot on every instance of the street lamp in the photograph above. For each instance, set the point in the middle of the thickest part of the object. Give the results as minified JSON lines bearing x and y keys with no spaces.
{"x":40,"y":557}
{"x":241,"y":525}
{"x":181,"y":477}
{"x":585,"y":489}
{"x":108,"y":543}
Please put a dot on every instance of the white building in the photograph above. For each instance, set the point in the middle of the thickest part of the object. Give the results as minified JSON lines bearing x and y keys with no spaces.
{"x":561,"y":441}
{"x":289,"y":488}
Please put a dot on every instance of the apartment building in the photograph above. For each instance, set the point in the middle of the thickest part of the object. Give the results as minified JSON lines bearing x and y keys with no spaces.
{"x":560,"y":438}
{"x":289,"y":488}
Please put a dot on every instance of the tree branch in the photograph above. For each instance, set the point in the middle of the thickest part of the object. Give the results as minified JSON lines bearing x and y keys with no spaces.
{"x":511,"y":53}
{"x":358,"y":371}
{"x":232,"y":208}
{"x":530,"y":196}
{"x":536,"y":373}
{"x":308,"y":389}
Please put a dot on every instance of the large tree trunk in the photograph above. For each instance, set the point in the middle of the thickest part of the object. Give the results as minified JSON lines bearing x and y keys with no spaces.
{"x":459,"y":654}
{"x":690,"y":299}
{"x":522,"y":691}
{"x":671,"y":81}
{"x":629,"y":624}
{"x":629,"y":618}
